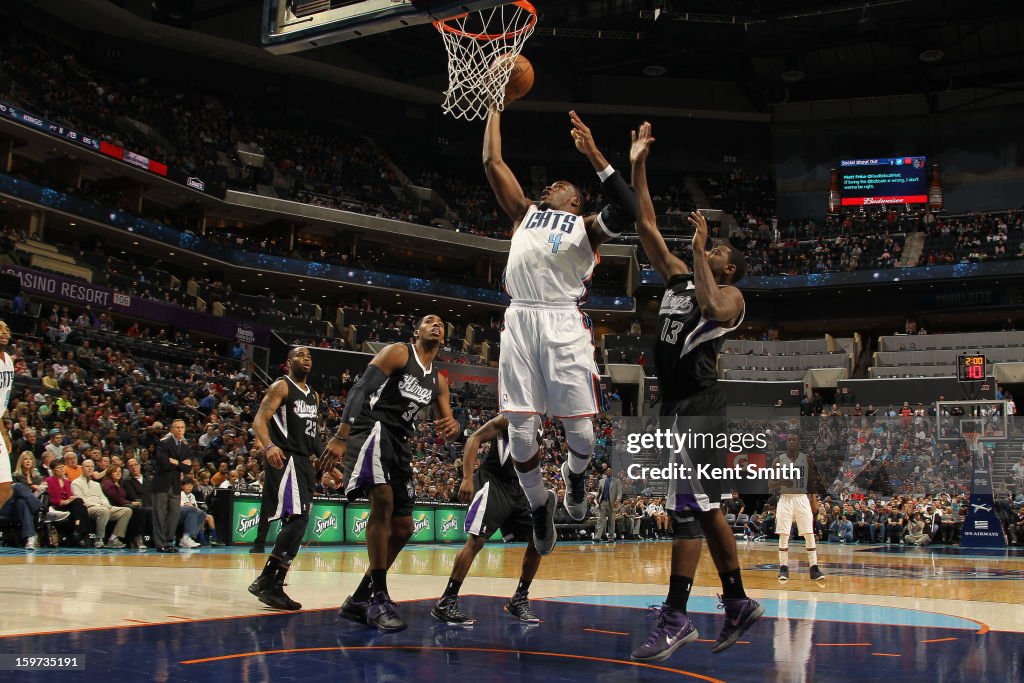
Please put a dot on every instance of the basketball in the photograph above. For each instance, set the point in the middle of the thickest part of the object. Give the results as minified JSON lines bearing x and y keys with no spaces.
{"x":521,"y":80}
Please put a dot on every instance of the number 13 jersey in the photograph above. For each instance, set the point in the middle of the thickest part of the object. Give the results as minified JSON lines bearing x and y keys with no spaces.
{"x":686,"y":350}
{"x":399,"y":400}
{"x":550,"y":259}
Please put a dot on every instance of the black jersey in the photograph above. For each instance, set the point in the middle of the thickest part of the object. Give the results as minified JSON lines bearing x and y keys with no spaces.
{"x":399,"y":400}
{"x":294,"y":426}
{"x":498,"y":461}
{"x":686,"y":350}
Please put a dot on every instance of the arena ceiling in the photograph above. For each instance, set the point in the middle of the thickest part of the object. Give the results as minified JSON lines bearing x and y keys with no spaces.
{"x":772,"y":51}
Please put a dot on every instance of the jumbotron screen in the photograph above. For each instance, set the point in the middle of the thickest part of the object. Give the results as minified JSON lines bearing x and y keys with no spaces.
{"x":898,"y":180}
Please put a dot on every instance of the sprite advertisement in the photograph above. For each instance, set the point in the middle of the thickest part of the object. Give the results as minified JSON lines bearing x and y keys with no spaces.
{"x":325,"y":523}
{"x":335,"y":521}
{"x":422,"y":525}
{"x":357,"y":515}
{"x":449,"y":525}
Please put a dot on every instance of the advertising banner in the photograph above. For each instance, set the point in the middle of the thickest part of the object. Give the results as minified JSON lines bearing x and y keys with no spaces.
{"x":245,"y":517}
{"x":357,"y":515}
{"x":103,"y":299}
{"x":422,"y":525}
{"x":325,"y":522}
{"x":450,"y":523}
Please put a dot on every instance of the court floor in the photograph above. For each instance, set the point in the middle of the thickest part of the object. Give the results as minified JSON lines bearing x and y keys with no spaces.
{"x":884,"y":612}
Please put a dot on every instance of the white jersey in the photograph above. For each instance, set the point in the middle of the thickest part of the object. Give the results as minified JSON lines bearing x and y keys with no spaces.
{"x":800,"y":486}
{"x":6,"y":382}
{"x":551,"y":259}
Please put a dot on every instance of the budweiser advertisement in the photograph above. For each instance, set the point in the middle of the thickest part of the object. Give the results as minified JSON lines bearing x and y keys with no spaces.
{"x":890,"y":180}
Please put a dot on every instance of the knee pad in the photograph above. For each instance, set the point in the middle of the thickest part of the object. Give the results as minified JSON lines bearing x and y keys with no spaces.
{"x":522,"y":435}
{"x":579,"y":435}
{"x":685,"y":525}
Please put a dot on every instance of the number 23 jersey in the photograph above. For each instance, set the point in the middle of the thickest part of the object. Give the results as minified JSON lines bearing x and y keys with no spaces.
{"x":399,"y":400}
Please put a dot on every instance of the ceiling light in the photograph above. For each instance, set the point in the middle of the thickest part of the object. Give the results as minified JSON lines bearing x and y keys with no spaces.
{"x":793,"y":75}
{"x":931,"y":56}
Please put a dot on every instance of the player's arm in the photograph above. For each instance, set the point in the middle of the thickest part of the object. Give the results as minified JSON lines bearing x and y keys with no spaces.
{"x":389,"y":359}
{"x":446,"y":425}
{"x":653,"y":243}
{"x":490,"y":430}
{"x":621,"y":210}
{"x":722,"y":304}
{"x":507,"y":189}
{"x":272,"y":400}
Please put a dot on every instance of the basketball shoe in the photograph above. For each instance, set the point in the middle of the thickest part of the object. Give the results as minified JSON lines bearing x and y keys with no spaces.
{"x":672,"y":630}
{"x":575,"y":500}
{"x":519,"y":607}
{"x":353,"y":610}
{"x":447,"y":611}
{"x":272,"y":594}
{"x":740,"y":615}
{"x":381,"y":614}
{"x":544,"y":534}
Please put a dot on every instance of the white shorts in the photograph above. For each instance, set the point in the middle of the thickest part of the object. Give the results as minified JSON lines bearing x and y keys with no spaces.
{"x":794,"y":506}
{"x":547,"y":361}
{"x":5,"y":463}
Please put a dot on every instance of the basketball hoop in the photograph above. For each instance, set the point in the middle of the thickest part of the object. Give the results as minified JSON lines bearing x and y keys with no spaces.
{"x":972,"y":439}
{"x":482,"y":48}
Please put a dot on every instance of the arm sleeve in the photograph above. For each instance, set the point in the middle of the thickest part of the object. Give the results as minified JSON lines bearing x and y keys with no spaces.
{"x":373,"y":379}
{"x":622,"y":208}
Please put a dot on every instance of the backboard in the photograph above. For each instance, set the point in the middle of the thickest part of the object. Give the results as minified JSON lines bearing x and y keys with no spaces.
{"x":987,"y":417}
{"x":296,"y":25}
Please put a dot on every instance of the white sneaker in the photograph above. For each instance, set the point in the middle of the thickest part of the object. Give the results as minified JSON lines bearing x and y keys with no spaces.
{"x":187,"y":542}
{"x":56,"y":515}
{"x":31,"y":543}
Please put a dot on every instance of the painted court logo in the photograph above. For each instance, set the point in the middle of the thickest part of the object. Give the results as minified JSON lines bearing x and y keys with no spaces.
{"x":248,"y":522}
{"x":420,"y":523}
{"x":359,"y":523}
{"x":449,"y":525}
{"x":328,"y":521}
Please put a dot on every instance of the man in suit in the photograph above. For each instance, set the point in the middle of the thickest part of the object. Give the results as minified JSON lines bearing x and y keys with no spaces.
{"x":172,"y":459}
{"x":609,"y":495}
{"x":139,"y":488}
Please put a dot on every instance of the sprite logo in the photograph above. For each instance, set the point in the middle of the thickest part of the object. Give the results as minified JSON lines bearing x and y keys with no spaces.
{"x":359,"y":523}
{"x":420,"y":523}
{"x":448,"y":525}
{"x":328,"y":521}
{"x":249,"y":521}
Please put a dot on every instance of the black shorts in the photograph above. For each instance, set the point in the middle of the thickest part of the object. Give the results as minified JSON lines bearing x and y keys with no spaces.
{"x":377,"y":457}
{"x":289,"y":491}
{"x":702,"y":413}
{"x":498,"y":504}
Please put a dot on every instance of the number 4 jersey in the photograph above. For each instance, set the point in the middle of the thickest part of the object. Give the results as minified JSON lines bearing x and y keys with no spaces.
{"x":396,"y":404}
{"x":686,"y":351}
{"x":550,"y":259}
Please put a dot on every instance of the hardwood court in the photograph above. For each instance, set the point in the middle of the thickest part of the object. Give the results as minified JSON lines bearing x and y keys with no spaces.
{"x":922,"y":614}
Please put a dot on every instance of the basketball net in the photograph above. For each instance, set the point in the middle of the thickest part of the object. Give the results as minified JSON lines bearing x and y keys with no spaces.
{"x":972,"y":439}
{"x":482,"y":48}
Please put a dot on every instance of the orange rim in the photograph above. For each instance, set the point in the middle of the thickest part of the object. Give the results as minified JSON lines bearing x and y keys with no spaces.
{"x":442,"y":25}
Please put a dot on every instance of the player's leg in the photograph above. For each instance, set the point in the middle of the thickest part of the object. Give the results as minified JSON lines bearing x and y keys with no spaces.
{"x":805,"y":527}
{"x":6,"y":480}
{"x":574,"y":396}
{"x":783,"y":524}
{"x":295,"y":495}
{"x":517,"y":524}
{"x":525,"y":452}
{"x":673,"y":627}
{"x":447,"y":609}
{"x":267,"y":506}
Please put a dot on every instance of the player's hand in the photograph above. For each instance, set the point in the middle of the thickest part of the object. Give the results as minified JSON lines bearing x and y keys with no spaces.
{"x":642,"y":140}
{"x":447,"y":427}
{"x":466,"y":491}
{"x":275,"y":457}
{"x":581,"y":135}
{"x":700,"y":226}
{"x":333,"y":455}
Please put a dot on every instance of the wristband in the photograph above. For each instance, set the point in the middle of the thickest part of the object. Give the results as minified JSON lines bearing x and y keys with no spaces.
{"x":606,"y":173}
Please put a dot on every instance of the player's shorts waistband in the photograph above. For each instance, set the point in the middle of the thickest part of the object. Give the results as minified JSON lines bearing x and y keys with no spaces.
{"x":545,"y":305}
